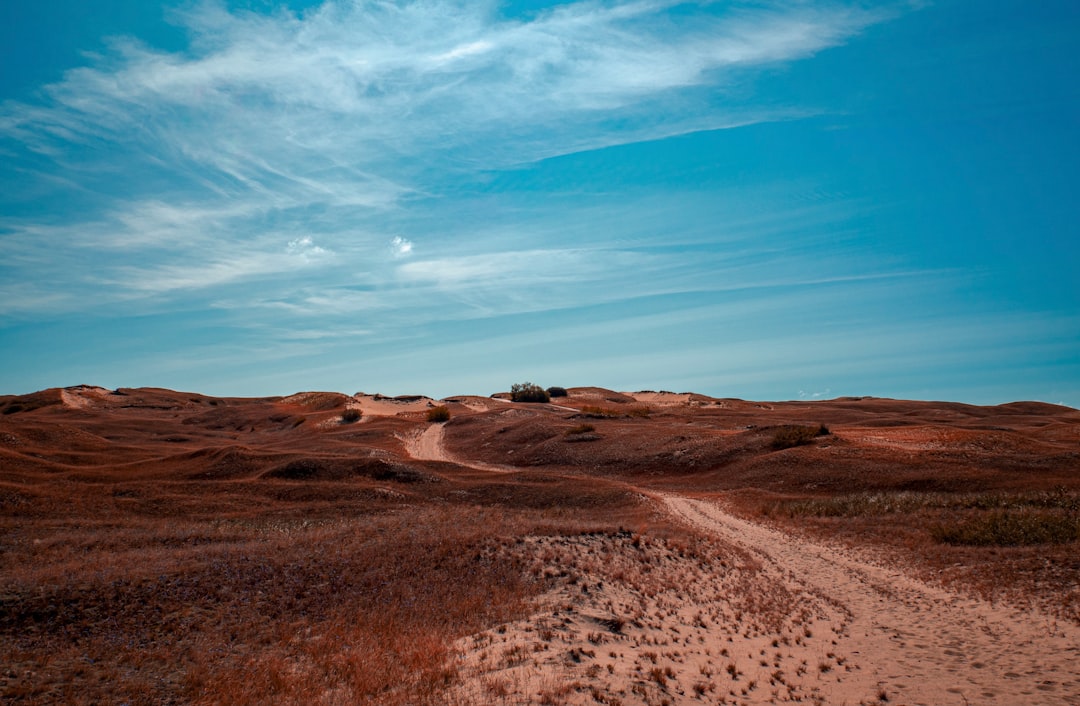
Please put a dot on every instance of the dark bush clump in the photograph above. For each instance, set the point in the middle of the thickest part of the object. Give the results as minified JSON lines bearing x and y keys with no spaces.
{"x":350,"y":415}
{"x":528,"y":392}
{"x":558,"y":392}
{"x":790,"y":435}
{"x":439,"y":414}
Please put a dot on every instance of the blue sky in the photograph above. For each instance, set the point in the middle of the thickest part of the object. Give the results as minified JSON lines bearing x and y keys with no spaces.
{"x":767,"y":200}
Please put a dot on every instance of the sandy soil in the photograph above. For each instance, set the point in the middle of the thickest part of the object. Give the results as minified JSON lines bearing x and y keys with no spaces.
{"x":428,"y":445}
{"x":921,"y":644}
{"x":768,"y":618}
{"x":379,"y":406}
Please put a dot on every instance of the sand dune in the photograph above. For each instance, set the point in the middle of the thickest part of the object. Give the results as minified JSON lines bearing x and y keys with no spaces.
{"x":613,"y":548}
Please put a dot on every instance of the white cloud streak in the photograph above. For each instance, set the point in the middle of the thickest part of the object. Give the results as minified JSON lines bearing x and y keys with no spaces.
{"x":269,"y":101}
{"x":273,"y":128}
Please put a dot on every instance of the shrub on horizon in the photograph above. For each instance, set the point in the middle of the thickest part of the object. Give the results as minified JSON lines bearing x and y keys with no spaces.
{"x":438,"y":414}
{"x":558,"y":392}
{"x":528,"y":392}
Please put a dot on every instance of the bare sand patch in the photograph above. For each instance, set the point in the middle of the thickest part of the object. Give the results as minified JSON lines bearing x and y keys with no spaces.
{"x":639,"y":620}
{"x":427,"y":444}
{"x":753,"y":616}
{"x":917,"y":643}
{"x":381,"y":406}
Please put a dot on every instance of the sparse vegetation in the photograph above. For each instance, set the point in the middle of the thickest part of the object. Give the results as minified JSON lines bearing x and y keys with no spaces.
{"x":528,"y":392}
{"x":438,"y":414}
{"x":557,"y":392}
{"x":351,"y":415}
{"x":580,"y":429}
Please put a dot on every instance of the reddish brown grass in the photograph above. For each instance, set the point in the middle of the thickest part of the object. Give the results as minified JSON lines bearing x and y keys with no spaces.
{"x":164,"y":547}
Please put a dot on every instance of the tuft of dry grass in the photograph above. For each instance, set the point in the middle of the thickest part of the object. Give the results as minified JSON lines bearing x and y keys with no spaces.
{"x":594,"y":412}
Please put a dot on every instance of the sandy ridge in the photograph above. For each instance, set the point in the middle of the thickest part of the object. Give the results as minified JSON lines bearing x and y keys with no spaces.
{"x":918,"y":643}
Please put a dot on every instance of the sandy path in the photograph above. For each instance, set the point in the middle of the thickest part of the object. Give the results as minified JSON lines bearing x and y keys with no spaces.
{"x":429,"y":445}
{"x":916,"y":643}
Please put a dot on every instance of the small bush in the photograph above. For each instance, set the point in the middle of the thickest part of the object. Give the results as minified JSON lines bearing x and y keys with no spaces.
{"x":528,"y":392}
{"x":791,"y":435}
{"x":581,"y":429}
{"x":439,"y":414}
{"x":558,"y":392}
{"x":350,"y":415}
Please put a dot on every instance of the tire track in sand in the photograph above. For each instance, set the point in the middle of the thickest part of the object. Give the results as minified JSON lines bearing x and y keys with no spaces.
{"x":917,"y":643}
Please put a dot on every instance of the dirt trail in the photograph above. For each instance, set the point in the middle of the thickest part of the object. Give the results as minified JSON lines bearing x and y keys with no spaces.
{"x":429,"y":445}
{"x":917,"y":643}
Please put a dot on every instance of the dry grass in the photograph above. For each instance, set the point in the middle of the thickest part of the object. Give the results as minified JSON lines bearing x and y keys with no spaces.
{"x":978,"y":519}
{"x":166,"y":547}
{"x":880,"y":503}
{"x":1009,"y":529}
{"x":269,"y":592}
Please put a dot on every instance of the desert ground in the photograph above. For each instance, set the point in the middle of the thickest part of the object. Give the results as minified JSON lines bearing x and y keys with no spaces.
{"x":650,"y":547}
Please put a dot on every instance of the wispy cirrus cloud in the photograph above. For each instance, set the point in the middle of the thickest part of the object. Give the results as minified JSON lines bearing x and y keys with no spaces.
{"x":326,"y":121}
{"x":342,"y":93}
